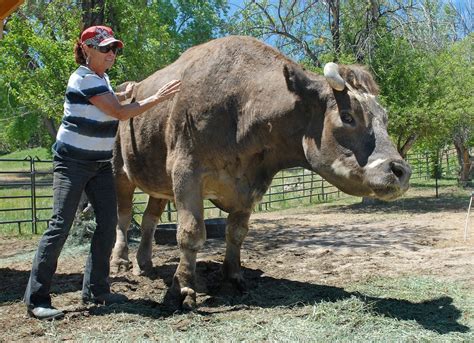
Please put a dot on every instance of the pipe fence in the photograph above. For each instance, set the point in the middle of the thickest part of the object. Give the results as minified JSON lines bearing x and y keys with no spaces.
{"x":26,"y":189}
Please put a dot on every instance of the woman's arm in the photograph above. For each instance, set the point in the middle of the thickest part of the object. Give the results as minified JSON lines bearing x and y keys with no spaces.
{"x":109,"y":104}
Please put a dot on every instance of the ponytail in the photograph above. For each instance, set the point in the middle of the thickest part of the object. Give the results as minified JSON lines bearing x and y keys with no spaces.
{"x":79,"y":54}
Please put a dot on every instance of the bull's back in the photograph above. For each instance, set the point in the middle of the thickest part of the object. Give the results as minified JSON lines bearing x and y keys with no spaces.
{"x":227,"y":85}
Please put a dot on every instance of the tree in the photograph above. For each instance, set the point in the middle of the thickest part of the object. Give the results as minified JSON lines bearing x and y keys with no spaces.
{"x":296,"y":27}
{"x":34,"y":69}
{"x":402,"y":41}
{"x":403,"y":75}
{"x":455,"y":102}
{"x":409,"y":63}
{"x":37,"y":54}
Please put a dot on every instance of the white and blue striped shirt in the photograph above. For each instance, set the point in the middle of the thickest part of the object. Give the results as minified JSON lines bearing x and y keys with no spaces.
{"x":86,"y":133}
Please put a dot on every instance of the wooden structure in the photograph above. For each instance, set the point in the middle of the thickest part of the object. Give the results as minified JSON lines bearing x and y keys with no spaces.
{"x":6,"y":8}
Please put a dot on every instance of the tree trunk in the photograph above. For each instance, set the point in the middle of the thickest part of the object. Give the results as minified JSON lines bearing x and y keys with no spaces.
{"x":464,"y":159}
{"x":334,"y":8}
{"x":93,"y":12}
{"x":403,"y":149}
{"x":50,"y":126}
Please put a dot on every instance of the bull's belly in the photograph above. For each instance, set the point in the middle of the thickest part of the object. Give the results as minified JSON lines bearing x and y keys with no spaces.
{"x":156,"y":184}
{"x":229,"y":192}
{"x":209,"y":195}
{"x":227,"y":196}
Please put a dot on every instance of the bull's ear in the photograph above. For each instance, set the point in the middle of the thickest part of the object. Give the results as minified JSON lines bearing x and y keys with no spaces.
{"x":297,"y":81}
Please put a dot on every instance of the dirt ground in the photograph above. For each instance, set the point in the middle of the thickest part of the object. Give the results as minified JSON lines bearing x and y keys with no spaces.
{"x":330,"y":245}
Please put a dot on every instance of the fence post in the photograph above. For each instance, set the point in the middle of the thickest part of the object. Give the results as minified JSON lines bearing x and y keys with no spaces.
{"x":437,"y":171}
{"x":448,"y":170}
{"x":418,"y":160}
{"x":323,"y":196}
{"x":33,"y":194}
{"x":427,"y":158}
{"x":269,"y":198}
{"x":168,"y":210}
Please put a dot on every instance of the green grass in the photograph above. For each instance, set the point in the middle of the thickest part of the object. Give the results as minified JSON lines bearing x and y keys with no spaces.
{"x":19,"y":172}
{"x":19,"y":214}
{"x":43,"y":154}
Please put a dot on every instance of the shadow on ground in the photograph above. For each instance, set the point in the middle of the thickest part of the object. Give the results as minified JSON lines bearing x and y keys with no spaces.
{"x":13,"y":283}
{"x":409,"y":205}
{"x":437,"y":314}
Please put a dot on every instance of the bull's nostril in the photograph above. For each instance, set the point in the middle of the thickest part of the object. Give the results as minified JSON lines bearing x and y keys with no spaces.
{"x":397,"y":169}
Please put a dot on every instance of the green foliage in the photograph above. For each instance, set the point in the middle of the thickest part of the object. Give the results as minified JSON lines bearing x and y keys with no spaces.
{"x":146,"y":33}
{"x":401,"y":72}
{"x":157,"y":32}
{"x":198,"y":21}
{"x":454,"y":83}
{"x":34,"y":68}
{"x":427,"y":92}
{"x":37,"y":54}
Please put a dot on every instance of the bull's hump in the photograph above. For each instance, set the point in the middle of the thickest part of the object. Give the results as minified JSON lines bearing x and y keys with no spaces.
{"x":238,"y":44}
{"x":248,"y":50}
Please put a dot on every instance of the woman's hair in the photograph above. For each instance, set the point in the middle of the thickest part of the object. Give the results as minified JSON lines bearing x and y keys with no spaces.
{"x":79,"y":54}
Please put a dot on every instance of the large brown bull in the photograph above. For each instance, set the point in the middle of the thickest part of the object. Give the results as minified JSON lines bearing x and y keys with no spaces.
{"x":245,"y":112}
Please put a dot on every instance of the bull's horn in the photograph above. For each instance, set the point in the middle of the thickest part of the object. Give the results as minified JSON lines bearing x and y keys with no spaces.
{"x":331,"y":73}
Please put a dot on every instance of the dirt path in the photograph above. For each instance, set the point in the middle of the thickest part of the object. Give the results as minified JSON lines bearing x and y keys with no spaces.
{"x":325,"y":245}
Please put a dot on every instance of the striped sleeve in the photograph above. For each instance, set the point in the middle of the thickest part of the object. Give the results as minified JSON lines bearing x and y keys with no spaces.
{"x":92,"y":85}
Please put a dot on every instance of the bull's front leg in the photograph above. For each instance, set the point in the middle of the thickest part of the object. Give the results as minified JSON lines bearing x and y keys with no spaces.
{"x":150,"y":218}
{"x":191,"y":235}
{"x":236,"y":231}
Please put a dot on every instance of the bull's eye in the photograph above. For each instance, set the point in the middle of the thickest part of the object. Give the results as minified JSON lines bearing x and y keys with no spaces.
{"x":347,"y":118}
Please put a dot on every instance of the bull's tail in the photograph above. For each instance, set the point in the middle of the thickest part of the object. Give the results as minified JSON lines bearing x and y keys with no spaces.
{"x":117,"y":160}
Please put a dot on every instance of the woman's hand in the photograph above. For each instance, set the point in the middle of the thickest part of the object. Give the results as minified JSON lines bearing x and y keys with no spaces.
{"x":108,"y":103}
{"x":168,"y":90}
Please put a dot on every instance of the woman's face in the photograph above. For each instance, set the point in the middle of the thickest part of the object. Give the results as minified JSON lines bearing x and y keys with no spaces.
{"x":102,"y":58}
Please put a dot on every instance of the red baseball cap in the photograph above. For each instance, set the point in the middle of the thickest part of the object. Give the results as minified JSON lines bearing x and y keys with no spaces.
{"x":99,"y":36}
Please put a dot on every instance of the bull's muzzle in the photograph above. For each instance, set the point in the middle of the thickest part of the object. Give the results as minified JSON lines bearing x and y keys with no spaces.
{"x":402,"y":171}
{"x":388,"y":179}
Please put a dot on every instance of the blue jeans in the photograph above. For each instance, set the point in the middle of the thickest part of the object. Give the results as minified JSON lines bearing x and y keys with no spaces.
{"x":71,"y":178}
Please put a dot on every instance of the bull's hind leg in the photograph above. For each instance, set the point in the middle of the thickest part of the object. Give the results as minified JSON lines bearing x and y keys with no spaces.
{"x":125,"y":190}
{"x":236,"y":231}
{"x":150,"y":218}
{"x":191,"y":234}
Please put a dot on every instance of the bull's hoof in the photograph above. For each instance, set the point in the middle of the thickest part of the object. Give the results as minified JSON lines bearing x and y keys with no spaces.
{"x":236,"y":282}
{"x":239,"y":284}
{"x":142,"y":269}
{"x":188,"y":297}
{"x":120,"y":264}
{"x":234,"y":287}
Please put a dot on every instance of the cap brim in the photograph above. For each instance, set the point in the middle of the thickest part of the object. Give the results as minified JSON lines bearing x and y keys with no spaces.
{"x":111,"y":40}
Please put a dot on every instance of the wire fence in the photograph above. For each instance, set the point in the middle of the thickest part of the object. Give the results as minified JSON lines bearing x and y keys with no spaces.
{"x":26,"y":189}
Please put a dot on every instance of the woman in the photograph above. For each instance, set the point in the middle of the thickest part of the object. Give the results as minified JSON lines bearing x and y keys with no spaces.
{"x":82,"y":154}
